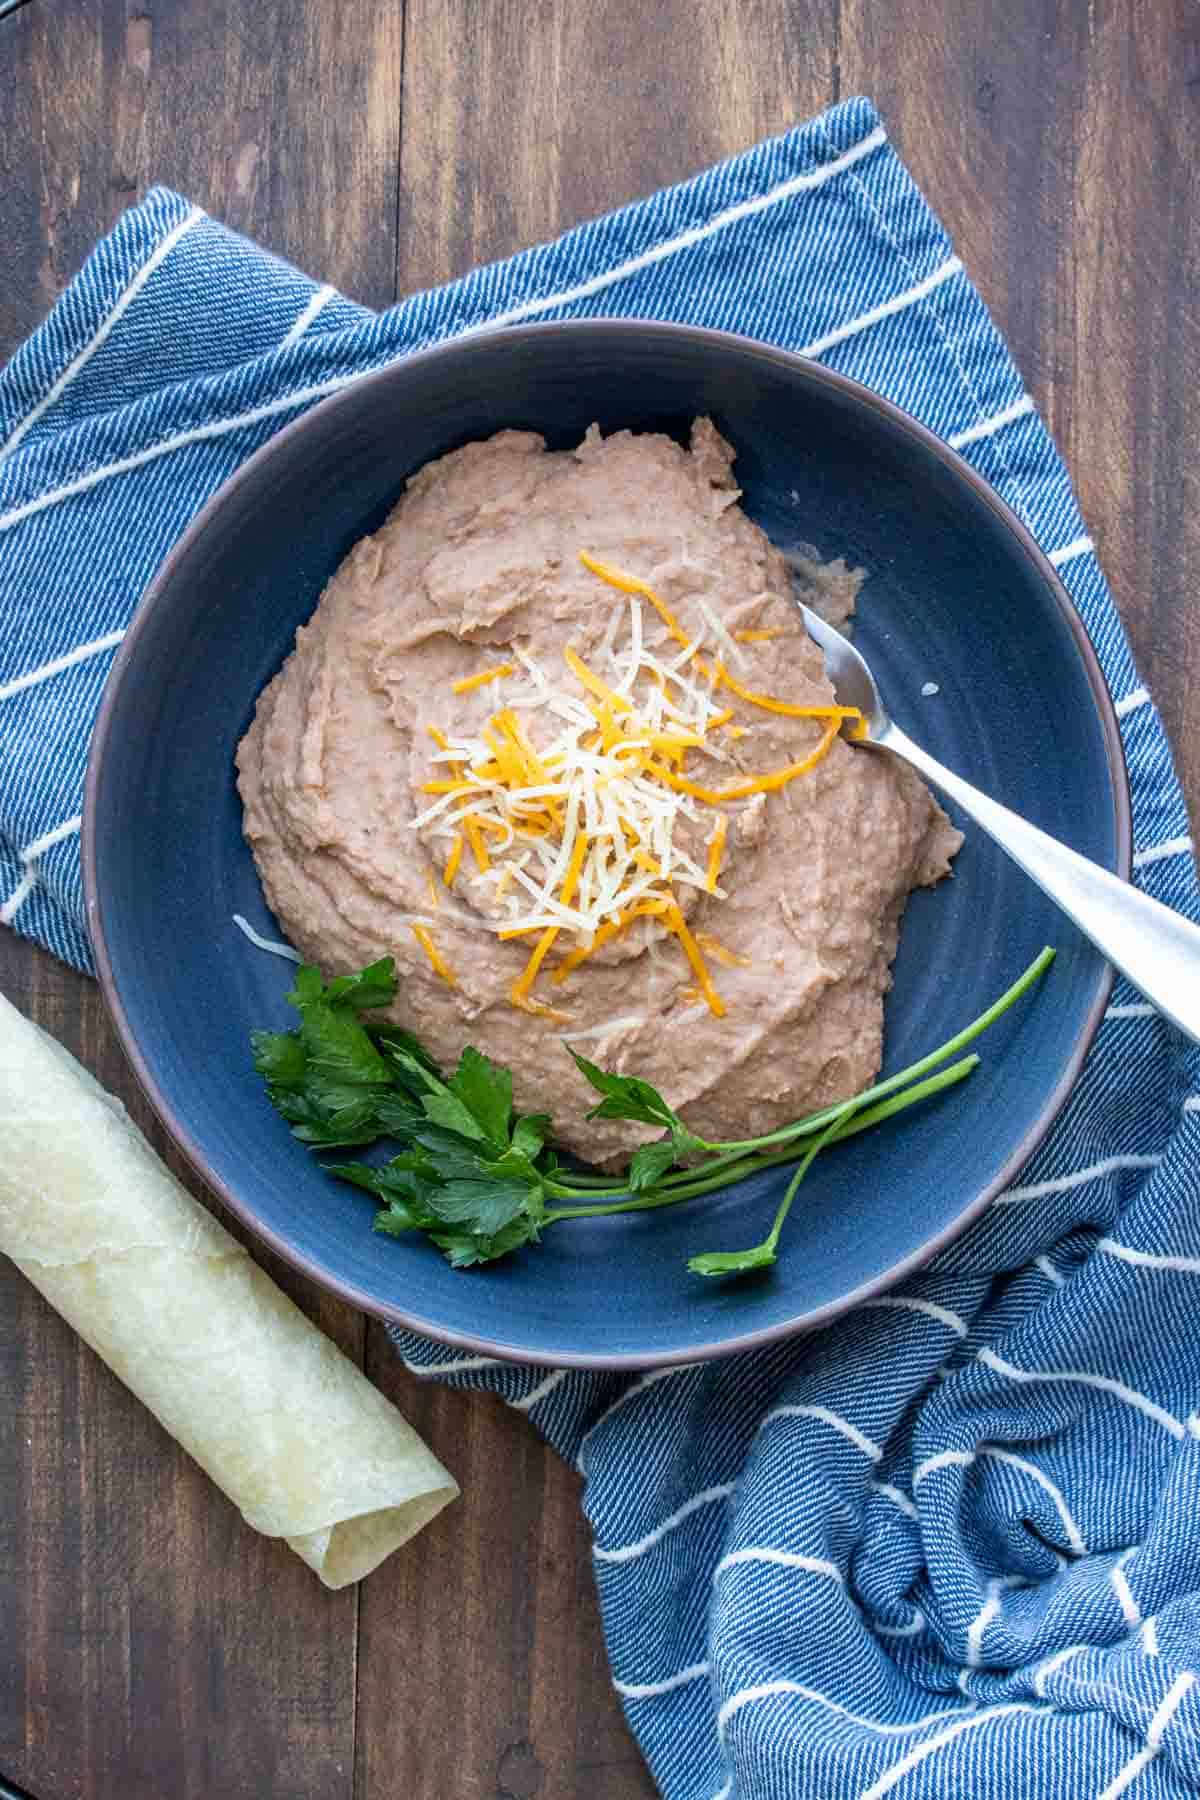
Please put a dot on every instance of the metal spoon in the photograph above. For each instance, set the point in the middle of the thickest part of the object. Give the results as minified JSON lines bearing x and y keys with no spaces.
{"x":1153,"y":947}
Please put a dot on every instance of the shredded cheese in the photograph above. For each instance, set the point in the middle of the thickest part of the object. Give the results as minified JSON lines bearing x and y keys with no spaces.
{"x":479,"y":849}
{"x":470,"y":682}
{"x":675,"y":921}
{"x":593,"y":683}
{"x":574,"y":796}
{"x":770,"y":704}
{"x":436,"y":960}
{"x":716,"y":849}
{"x":760,"y":635}
{"x":719,"y":953}
{"x":453,"y":860}
{"x":758,"y":784}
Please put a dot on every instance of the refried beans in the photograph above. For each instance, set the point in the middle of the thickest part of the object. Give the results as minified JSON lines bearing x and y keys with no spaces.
{"x":405,"y":785}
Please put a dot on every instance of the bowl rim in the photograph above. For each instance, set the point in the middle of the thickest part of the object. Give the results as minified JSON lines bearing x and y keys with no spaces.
{"x":92,"y":852}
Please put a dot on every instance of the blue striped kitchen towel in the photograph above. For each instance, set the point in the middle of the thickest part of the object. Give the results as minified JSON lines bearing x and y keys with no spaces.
{"x":949,"y":1545}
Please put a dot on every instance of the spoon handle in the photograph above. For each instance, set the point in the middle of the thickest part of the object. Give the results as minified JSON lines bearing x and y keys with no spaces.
{"x":1153,"y":947}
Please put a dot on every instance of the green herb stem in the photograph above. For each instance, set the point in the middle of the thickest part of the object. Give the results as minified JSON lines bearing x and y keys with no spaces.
{"x":706,"y":1180}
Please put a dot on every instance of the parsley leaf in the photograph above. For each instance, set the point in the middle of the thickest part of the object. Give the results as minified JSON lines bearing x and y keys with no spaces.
{"x":279,"y":1058}
{"x":486,"y":1092}
{"x":327,"y":1078}
{"x":529,"y":1134}
{"x":371,"y":987}
{"x":651,"y":1163}
{"x":732,"y":1262}
{"x":485,"y":1205}
{"x":629,"y":1097}
{"x":464,"y":1250}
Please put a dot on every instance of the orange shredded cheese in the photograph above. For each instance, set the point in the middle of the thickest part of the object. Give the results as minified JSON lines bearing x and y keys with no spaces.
{"x":470,"y":682}
{"x":571,"y":878}
{"x":508,"y":762}
{"x":447,"y":787}
{"x":604,"y":934}
{"x":519,"y":992}
{"x":512,"y":728}
{"x":713,"y":947}
{"x":629,"y":584}
{"x":479,"y":849}
{"x":758,"y":784}
{"x":593,"y":683}
{"x":760,"y":634}
{"x":716,"y":850}
{"x":674,"y":920}
{"x":436,"y":960}
{"x":453,"y":860}
{"x":769,"y":703}
{"x":434,"y":897}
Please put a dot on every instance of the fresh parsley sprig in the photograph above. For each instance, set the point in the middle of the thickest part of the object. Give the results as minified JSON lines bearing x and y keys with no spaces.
{"x":480,"y":1180}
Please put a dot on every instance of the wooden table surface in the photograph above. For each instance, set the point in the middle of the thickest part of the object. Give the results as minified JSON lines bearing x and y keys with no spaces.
{"x":151,"y":1646}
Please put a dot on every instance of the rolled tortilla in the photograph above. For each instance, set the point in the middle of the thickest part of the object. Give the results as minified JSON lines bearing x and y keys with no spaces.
{"x":270,"y":1409}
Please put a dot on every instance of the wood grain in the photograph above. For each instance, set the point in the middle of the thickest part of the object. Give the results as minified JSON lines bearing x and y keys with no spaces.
{"x":152,"y":1646}
{"x":1057,"y":143}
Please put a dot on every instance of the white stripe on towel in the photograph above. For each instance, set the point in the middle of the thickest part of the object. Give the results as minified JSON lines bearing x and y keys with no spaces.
{"x":767,"y":1690}
{"x":898,"y":1771}
{"x":1044,"y":1670}
{"x":1131,"y":702}
{"x":835,"y":1421}
{"x":1063,"y":1184}
{"x":1074,"y":1535}
{"x":782,"y":1559}
{"x":152,"y":262}
{"x":1145,"y":1259}
{"x":1154,"y":853}
{"x":1079,"y":546}
{"x":1131,"y":1612}
{"x":1105,"y":1384}
{"x":898,"y":302}
{"x":931,"y":1309}
{"x":35,"y":677}
{"x":29,"y":856}
{"x":463,"y":1366}
{"x":987,"y":427}
{"x":897,"y":1498}
{"x":320,"y":299}
{"x":944,"y":1459}
{"x":650,"y":1690}
{"x":528,"y":1401}
{"x":628,"y":1552}
{"x":1154,"y":1736}
{"x":696,"y":234}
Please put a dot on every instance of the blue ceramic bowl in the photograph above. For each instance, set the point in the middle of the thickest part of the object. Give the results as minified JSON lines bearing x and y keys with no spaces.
{"x":958,"y":594}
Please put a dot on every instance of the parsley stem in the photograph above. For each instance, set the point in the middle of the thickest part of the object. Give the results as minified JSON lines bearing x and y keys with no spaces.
{"x":562,"y":1190}
{"x":830,"y":1132}
{"x":817,"y":1121}
{"x":726,"y":1169}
